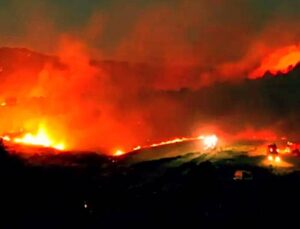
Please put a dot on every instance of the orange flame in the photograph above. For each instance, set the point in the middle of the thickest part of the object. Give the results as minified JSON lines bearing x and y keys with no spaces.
{"x":282,"y":60}
{"x":209,"y":142}
{"x":172,"y":141}
{"x":41,"y":138}
{"x":118,"y":153}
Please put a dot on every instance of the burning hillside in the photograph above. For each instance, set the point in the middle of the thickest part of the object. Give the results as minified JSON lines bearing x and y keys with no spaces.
{"x":41,"y":138}
{"x":282,"y":60}
{"x":71,"y":101}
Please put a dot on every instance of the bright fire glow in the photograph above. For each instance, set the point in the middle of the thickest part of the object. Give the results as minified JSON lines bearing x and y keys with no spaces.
{"x":172,"y":141}
{"x":41,"y":138}
{"x":119,"y":153}
{"x":6,"y":138}
{"x":282,"y":60}
{"x":270,"y":158}
{"x":209,"y":142}
{"x":137,"y":148}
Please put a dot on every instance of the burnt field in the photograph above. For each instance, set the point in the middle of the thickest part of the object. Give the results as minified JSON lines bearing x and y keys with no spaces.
{"x":193,"y":189}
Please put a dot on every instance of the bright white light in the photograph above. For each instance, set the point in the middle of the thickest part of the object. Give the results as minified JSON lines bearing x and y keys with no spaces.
{"x":209,"y":141}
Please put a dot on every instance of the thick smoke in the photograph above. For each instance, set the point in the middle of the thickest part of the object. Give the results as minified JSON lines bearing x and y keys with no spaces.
{"x":221,"y":40}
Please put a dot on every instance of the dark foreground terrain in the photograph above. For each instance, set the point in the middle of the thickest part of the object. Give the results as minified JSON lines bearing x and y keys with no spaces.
{"x":91,"y":191}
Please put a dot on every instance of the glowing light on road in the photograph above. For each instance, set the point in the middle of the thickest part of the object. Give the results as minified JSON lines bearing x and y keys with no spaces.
{"x":276,"y":159}
{"x":270,"y":158}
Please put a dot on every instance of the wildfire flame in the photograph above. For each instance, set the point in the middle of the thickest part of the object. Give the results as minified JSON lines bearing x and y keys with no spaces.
{"x":209,"y":142}
{"x":41,"y":138}
{"x":118,"y":153}
{"x":282,"y":60}
{"x":168,"y":142}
